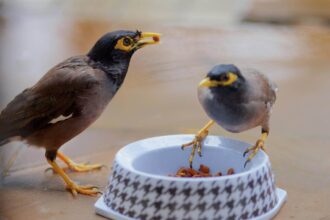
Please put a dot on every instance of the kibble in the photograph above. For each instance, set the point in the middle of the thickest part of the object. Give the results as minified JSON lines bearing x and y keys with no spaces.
{"x":204,"y":171}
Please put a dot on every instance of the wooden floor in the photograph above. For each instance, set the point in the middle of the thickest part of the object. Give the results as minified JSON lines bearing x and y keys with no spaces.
{"x":159,"y":97}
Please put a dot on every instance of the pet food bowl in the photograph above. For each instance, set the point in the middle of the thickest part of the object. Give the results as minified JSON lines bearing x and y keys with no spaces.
{"x":140,"y":186}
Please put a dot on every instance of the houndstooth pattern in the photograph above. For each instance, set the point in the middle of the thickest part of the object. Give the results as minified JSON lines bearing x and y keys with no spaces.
{"x":143,"y":198}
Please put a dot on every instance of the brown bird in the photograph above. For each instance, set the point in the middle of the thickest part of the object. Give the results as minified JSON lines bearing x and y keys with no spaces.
{"x":69,"y":98}
{"x":237,"y":100}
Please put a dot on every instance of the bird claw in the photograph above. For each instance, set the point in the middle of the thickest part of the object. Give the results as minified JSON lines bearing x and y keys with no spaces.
{"x":49,"y":169}
{"x":259,"y":145}
{"x":246,"y":162}
{"x":65,"y":169}
{"x":247,"y":150}
{"x":183,"y":146}
{"x":196,"y":143}
{"x":192,"y":154}
{"x":199,"y":149}
{"x":86,"y":190}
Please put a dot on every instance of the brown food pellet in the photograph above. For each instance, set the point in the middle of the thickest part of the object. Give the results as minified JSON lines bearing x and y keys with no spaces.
{"x":218,"y":174}
{"x":192,"y":171}
{"x":155,"y":38}
{"x":204,"y":171}
{"x":230,"y":171}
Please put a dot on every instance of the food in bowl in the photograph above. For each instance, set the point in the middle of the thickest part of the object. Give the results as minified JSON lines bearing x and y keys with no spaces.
{"x":203,"y":171}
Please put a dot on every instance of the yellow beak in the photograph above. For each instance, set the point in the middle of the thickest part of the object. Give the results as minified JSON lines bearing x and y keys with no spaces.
{"x":208,"y":83}
{"x":147,"y":38}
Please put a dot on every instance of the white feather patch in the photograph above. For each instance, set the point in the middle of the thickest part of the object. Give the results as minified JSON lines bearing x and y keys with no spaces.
{"x":60,"y":118}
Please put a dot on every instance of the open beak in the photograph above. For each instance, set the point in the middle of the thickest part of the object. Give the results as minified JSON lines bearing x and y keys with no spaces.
{"x":147,"y":38}
{"x":208,"y":83}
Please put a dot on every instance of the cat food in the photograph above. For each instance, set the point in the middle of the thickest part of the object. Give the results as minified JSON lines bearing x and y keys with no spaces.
{"x":203,"y":171}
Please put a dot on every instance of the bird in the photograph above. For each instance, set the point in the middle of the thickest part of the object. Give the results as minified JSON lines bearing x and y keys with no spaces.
{"x":237,"y":100}
{"x":69,"y":98}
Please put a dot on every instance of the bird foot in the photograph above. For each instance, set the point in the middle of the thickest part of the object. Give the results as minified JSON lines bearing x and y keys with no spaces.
{"x":196,"y":143}
{"x":78,"y":167}
{"x":85,"y":190}
{"x":83,"y":167}
{"x":260,"y":144}
{"x":73,"y":187}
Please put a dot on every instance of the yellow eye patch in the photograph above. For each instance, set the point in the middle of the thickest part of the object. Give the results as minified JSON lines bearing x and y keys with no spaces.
{"x":231,"y":77}
{"x":226,"y":81}
{"x":125,"y":44}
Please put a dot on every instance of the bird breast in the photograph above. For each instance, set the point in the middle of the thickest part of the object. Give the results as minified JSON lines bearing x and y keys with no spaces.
{"x":94,"y":103}
{"x":231,"y":114}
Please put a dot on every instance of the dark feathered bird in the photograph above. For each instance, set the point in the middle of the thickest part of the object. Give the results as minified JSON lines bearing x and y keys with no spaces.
{"x":237,"y":101}
{"x":71,"y":96}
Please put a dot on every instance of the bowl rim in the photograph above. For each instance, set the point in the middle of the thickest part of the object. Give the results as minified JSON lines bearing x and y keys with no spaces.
{"x":261,"y":154}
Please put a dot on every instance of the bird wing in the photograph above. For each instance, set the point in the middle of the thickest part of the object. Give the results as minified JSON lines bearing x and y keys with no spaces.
{"x":271,"y":88}
{"x":54,"y":95}
{"x":261,"y":87}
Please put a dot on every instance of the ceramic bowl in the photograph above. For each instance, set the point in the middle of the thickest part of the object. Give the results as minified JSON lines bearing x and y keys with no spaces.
{"x":140,"y":186}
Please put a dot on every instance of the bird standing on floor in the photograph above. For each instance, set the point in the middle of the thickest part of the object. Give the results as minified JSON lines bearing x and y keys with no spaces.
{"x":71,"y":96}
{"x":237,"y":101}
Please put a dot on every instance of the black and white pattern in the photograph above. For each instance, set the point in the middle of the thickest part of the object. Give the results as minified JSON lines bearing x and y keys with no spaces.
{"x":241,"y":197}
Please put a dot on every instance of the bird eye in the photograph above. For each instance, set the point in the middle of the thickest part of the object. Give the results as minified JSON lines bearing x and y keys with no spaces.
{"x":126,"y":41}
{"x":224,"y":77}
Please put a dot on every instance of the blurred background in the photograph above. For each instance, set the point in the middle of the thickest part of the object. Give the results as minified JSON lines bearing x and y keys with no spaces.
{"x":288,"y":40}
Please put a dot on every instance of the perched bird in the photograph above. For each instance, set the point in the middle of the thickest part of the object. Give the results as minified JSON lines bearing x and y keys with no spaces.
{"x":71,"y":96}
{"x":237,"y":101}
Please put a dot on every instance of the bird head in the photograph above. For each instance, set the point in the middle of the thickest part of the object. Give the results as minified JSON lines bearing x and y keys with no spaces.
{"x":120,"y":45}
{"x":223,"y":76}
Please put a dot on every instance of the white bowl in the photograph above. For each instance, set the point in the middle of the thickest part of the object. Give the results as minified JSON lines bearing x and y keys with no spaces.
{"x":140,"y":188}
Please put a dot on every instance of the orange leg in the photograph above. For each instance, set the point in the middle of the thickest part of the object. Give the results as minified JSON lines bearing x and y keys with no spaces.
{"x":76,"y":166}
{"x":197,"y":142}
{"x":71,"y":185}
{"x":260,"y":144}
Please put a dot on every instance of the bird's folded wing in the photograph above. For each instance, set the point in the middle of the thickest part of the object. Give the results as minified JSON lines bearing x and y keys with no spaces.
{"x":54,"y":95}
{"x":262,"y":89}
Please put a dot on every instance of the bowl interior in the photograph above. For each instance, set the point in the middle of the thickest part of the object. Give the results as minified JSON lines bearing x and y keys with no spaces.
{"x":162,"y":156}
{"x":168,"y":160}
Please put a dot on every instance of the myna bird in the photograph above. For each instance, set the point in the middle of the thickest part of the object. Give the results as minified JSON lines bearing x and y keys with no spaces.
{"x":237,"y":101}
{"x":70,"y":97}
